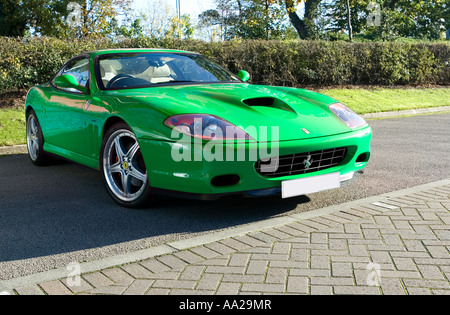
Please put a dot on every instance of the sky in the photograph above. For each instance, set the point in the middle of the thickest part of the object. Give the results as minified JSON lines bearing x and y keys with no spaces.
{"x":191,"y":7}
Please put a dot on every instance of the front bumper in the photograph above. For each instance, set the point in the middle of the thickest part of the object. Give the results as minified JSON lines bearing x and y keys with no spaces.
{"x":193,"y":175}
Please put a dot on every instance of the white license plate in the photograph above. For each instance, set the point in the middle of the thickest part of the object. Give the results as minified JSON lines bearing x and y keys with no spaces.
{"x":309,"y":185}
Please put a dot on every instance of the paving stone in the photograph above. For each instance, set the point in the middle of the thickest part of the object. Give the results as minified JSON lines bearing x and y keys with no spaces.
{"x":392,"y":286}
{"x":30,"y":290}
{"x":209,"y":282}
{"x":297,"y":285}
{"x":108,"y":290}
{"x":173,"y":262}
{"x":341,"y":269}
{"x":188,"y":256}
{"x":204,"y":252}
{"x":334,"y":253}
{"x":235,"y":244}
{"x":264,"y":288}
{"x":276,"y":275}
{"x":137,"y":271}
{"x":239,"y":260}
{"x":138,"y":287}
{"x":154,"y":265}
{"x":98,"y":279}
{"x":118,"y":276}
{"x":228,"y":288}
{"x":257,"y":267}
{"x":174,"y":284}
{"x":55,"y":288}
{"x":356,"y":290}
{"x":192,"y":273}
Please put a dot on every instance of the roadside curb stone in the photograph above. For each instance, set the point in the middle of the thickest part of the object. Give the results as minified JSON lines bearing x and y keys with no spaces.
{"x":13,"y":150}
{"x":419,"y":111}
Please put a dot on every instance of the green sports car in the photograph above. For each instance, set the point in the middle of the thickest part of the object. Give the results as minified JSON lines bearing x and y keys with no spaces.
{"x":172,"y":122}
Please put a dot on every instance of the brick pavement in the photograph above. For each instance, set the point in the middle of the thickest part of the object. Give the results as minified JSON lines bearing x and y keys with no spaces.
{"x":398,"y":246}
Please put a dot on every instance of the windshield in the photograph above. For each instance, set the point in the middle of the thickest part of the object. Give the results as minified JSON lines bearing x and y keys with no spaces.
{"x":134,"y":70}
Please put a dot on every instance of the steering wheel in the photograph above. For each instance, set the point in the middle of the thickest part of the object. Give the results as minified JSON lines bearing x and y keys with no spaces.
{"x":117,"y":78}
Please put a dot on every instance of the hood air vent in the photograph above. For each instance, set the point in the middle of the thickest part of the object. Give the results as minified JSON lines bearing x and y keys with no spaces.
{"x":268,"y":102}
{"x":262,"y":101}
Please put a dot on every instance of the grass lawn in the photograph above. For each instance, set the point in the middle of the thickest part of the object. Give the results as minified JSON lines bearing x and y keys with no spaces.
{"x":362,"y":101}
{"x":12,"y":126}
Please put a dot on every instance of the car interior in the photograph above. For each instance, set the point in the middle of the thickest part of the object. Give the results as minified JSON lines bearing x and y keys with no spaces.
{"x":114,"y":76}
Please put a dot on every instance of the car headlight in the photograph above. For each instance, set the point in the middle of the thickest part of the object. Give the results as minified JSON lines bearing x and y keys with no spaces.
{"x":352,"y":119}
{"x":206,"y":127}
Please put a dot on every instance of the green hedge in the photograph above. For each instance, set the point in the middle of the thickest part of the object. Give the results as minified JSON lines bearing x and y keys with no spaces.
{"x":26,"y":62}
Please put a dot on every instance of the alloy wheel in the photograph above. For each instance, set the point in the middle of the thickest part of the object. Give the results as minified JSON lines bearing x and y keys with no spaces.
{"x":123,"y":166}
{"x":33,"y":137}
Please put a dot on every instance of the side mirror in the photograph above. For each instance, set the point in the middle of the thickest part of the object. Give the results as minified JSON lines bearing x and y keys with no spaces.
{"x":70,"y":82}
{"x":244,"y":75}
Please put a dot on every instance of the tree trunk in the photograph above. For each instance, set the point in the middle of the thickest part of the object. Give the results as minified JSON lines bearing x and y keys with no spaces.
{"x":349,"y":21}
{"x":305,"y":27}
{"x":298,"y":23}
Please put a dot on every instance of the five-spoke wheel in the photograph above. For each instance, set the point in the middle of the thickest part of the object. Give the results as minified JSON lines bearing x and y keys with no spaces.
{"x":123,"y":167}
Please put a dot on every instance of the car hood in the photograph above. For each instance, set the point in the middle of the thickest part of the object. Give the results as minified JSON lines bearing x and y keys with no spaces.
{"x":298,"y":114}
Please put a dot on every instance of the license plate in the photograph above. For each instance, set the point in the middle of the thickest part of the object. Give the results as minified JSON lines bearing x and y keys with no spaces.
{"x":309,"y":185}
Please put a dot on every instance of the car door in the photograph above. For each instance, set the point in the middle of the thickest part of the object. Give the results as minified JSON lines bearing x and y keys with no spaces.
{"x":65,"y":109}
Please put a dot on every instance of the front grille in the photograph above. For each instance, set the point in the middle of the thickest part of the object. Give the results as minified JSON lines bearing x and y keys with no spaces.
{"x":301,"y":163}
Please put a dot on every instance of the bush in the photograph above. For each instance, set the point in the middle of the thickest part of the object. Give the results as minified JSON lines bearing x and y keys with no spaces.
{"x":26,"y":62}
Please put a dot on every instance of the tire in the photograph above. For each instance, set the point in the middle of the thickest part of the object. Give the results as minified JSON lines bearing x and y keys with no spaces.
{"x":123,"y":169}
{"x":35,"y":141}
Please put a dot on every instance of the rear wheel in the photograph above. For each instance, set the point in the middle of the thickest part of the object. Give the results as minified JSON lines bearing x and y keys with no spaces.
{"x":123,"y":168}
{"x":35,"y":141}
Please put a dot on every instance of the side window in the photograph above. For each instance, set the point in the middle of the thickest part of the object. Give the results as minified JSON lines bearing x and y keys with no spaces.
{"x":79,"y":68}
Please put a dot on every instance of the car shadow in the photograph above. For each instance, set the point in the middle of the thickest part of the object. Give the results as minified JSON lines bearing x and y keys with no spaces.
{"x":64,"y":208}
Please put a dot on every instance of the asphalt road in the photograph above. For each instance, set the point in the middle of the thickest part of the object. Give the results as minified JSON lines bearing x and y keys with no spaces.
{"x":52,"y":216}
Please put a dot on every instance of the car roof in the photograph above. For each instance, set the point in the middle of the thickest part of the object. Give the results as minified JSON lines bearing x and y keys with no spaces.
{"x":132,"y":50}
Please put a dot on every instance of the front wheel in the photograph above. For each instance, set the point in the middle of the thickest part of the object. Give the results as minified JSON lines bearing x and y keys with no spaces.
{"x":123,"y":168}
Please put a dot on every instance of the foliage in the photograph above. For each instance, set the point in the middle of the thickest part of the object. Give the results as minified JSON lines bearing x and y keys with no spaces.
{"x":12,"y":18}
{"x":62,"y":18}
{"x":25,"y":62}
{"x":425,"y":19}
{"x":230,"y":19}
{"x":258,"y":19}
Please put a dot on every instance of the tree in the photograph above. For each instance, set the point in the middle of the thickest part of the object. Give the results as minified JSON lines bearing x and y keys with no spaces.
{"x":225,"y":18}
{"x":399,"y":18}
{"x":180,"y":27}
{"x":305,"y":27}
{"x":417,"y":19}
{"x":95,"y":16}
{"x":159,"y":20}
{"x":134,"y":30}
{"x":262,"y":19}
{"x":12,"y":18}
{"x":253,"y":19}
{"x":349,"y":20}
{"x":92,"y":18}
{"x":211,"y":22}
{"x":43,"y":16}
